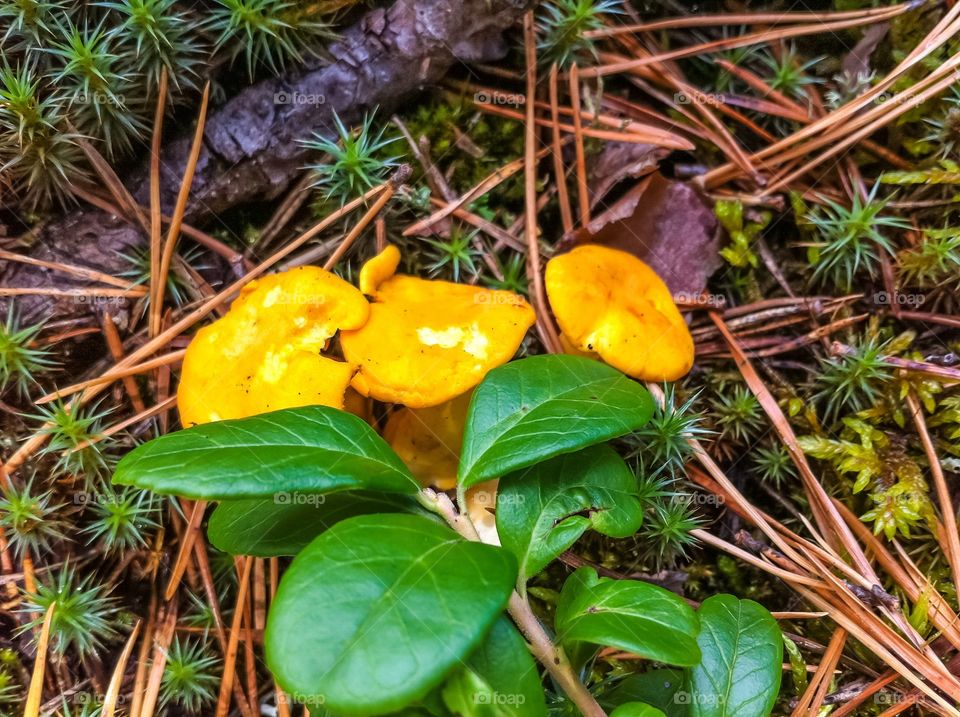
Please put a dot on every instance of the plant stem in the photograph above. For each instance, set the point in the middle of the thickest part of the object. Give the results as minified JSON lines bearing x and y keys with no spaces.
{"x":540,"y":644}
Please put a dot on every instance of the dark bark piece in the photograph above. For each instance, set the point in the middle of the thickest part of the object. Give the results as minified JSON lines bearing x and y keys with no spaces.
{"x":666,"y":224}
{"x":251,"y":148}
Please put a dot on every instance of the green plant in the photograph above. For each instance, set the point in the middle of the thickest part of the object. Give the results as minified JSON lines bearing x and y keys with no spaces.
{"x":200,"y":613}
{"x":356,"y":159}
{"x":773,"y":464}
{"x":943,"y":127}
{"x":787,"y":74}
{"x":366,"y":537}
{"x":514,"y":273}
{"x":562,"y":24}
{"x":934,"y":263}
{"x":190,"y":678}
{"x":96,"y":92}
{"x":897,"y":490}
{"x":162,"y":37}
{"x":20,"y":359}
{"x":667,"y":532}
{"x":80,"y":704}
{"x":743,"y":230}
{"x":120,"y":519}
{"x":30,"y":521}
{"x":39,"y":156}
{"x":177,"y":284}
{"x":267,"y":32}
{"x":84,"y":618}
{"x":664,"y":440}
{"x":852,"y":381}
{"x":74,"y":437}
{"x":736,"y":412}
{"x":29,"y":22}
{"x":454,"y":255}
{"x":10,"y":689}
{"x":850,"y":239}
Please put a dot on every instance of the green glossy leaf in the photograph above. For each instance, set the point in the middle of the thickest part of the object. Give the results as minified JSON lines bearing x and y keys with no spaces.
{"x":542,"y":510}
{"x":530,"y":410}
{"x":376,"y":611}
{"x":500,"y":679}
{"x":742,"y":648}
{"x":316,"y":449}
{"x":636,"y":709}
{"x":630,"y":615}
{"x":286,"y":523}
{"x":659,"y":688}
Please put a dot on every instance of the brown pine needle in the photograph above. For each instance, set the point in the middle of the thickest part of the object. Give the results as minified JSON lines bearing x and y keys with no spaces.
{"x":35,"y":691}
{"x":753,"y":38}
{"x":92,"y":295}
{"x":812,"y":699}
{"x":495,"y":232}
{"x":947,"y":511}
{"x":115,"y":345}
{"x":112,"y":695}
{"x":235,"y":259}
{"x":940,"y":614}
{"x":164,"y":405}
{"x":143,"y":654}
{"x":747,"y":18}
{"x":114,"y":375}
{"x":108,"y":176}
{"x":176,"y":220}
{"x":230,"y":658}
{"x":583,"y":190}
{"x":156,"y":222}
{"x":534,"y":269}
{"x":559,"y":172}
{"x":186,"y":545}
{"x":81,"y":272}
{"x":161,"y":649}
{"x":364,"y":222}
{"x":485,"y":185}
{"x":828,"y":520}
{"x":628,"y":130}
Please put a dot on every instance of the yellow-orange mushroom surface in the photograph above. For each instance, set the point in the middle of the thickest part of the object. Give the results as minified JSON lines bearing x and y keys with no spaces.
{"x":608,"y":302}
{"x":429,"y":341}
{"x":265,"y":353}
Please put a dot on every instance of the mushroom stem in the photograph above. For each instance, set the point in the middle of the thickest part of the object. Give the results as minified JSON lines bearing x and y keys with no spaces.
{"x":540,"y":644}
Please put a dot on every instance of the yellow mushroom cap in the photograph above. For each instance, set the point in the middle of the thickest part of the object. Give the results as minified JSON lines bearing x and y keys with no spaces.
{"x":609,"y":302}
{"x":265,"y":353}
{"x":378,"y":269}
{"x":429,"y":341}
{"x":429,"y":439}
